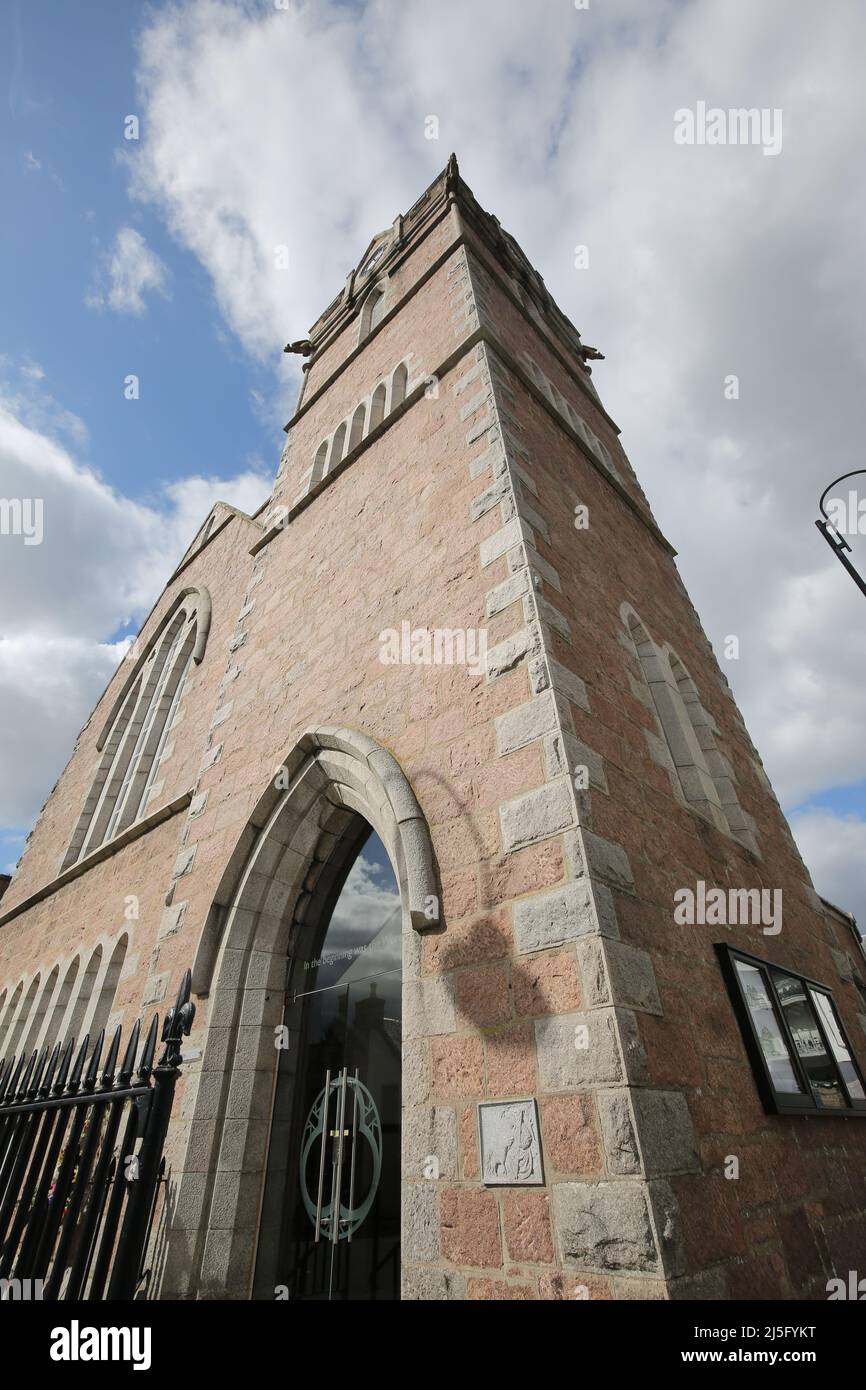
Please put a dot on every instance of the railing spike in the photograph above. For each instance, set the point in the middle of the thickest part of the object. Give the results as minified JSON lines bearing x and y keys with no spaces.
{"x":41,"y":1063}
{"x":128,"y":1062}
{"x":15,"y":1078}
{"x":65,"y":1061}
{"x":148,"y":1051}
{"x":78,"y":1067}
{"x":52,"y":1067}
{"x":111,"y":1059}
{"x":178,"y":1022}
{"x":93,"y":1068}
{"x":184,"y":988}
{"x":24,"y":1082}
{"x":5,"y":1074}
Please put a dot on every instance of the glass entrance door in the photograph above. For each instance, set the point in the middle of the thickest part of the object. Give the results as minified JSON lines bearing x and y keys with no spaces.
{"x":331,"y":1212}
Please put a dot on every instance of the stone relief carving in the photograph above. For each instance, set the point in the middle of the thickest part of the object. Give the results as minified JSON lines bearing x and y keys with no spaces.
{"x":510,"y":1143}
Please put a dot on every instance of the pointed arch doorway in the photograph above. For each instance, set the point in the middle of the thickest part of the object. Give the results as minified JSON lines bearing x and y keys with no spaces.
{"x":270,"y":913}
{"x":329,"y":1228}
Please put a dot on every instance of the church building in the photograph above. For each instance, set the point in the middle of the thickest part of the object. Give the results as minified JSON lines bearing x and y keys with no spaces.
{"x":510,"y":980}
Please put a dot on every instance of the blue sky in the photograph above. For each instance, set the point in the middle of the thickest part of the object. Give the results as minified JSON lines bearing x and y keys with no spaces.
{"x":266,"y":122}
{"x":195,"y":406}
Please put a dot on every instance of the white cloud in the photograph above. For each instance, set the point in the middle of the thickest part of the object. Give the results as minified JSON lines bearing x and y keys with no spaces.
{"x":31,"y":404}
{"x":102,"y":562}
{"x":703,"y":261}
{"x":367,"y":910}
{"x":834,"y":847}
{"x":305,"y":127}
{"x":127,"y":273}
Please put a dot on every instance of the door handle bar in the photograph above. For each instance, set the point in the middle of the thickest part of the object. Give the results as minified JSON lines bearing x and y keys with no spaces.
{"x":352,"y":1168}
{"x":338,"y":1168}
{"x":322,"y":1157}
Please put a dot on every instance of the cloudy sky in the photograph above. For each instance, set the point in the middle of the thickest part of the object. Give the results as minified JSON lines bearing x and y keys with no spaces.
{"x":149,"y":182}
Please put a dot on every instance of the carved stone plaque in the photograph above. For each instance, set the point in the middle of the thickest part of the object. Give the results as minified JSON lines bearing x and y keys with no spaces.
{"x":510,"y":1144}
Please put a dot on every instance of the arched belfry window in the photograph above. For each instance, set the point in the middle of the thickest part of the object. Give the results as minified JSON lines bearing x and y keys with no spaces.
{"x":398,"y":385}
{"x":330,"y":1220}
{"x":372,"y":311}
{"x":377,"y":406}
{"x":319,"y":463}
{"x":134,"y":741}
{"x":356,"y":431}
{"x":338,"y":444}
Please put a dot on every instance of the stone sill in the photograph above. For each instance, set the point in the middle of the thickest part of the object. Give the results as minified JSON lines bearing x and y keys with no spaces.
{"x":104,"y":851}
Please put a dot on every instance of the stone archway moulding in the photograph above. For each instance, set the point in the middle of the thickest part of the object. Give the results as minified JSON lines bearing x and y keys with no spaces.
{"x":292,"y":851}
{"x":342,"y":769}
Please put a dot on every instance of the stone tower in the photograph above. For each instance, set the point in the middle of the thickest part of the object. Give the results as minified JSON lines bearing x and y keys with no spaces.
{"x":627,"y":1027}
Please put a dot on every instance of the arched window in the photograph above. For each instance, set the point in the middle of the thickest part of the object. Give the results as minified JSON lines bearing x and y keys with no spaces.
{"x":740,"y":824}
{"x":603,"y":453}
{"x":337,"y":444}
{"x":109,"y":987}
{"x":61,"y":1002}
{"x":377,"y":406}
{"x":19,"y":1030}
{"x":134,"y":740}
{"x":398,"y":385}
{"x":4,"y":1001}
{"x":692,"y":773}
{"x":372,"y":312}
{"x":85,"y":992}
{"x":319,"y":463}
{"x":33,"y":1028}
{"x":537,"y":374}
{"x":9,"y":1019}
{"x":203,"y":534}
{"x":356,"y":432}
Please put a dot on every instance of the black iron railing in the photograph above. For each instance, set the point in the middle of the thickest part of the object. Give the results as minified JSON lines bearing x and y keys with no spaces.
{"x":81,"y":1160}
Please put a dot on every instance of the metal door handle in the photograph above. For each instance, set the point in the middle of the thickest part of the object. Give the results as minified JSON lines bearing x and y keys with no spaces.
{"x":352,"y":1169}
{"x":322,"y":1156}
{"x":338,"y":1167}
